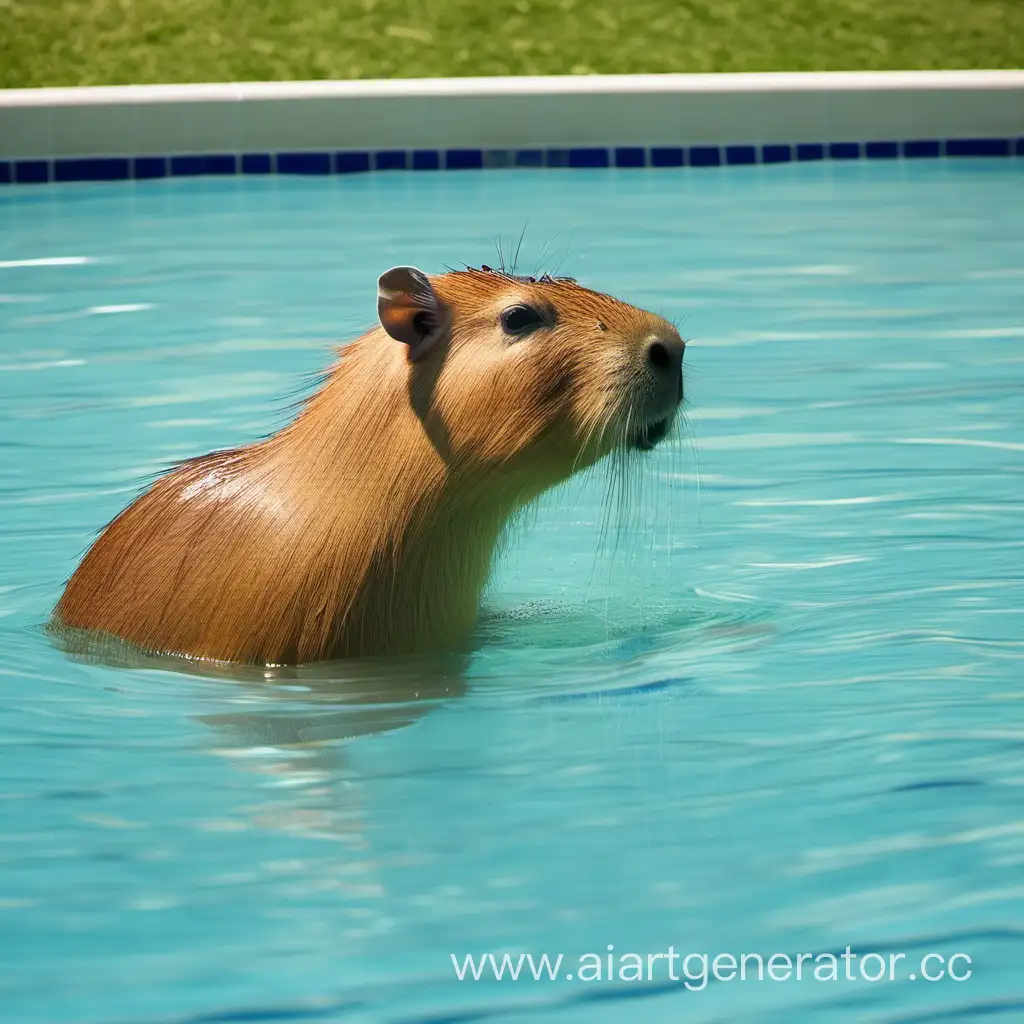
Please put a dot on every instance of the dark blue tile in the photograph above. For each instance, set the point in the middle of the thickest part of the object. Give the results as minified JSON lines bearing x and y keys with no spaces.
{"x":351,"y":162}
{"x":145,"y":167}
{"x":464,"y":159}
{"x":5,"y":173}
{"x":220,"y":163}
{"x":630,"y":156}
{"x":1019,"y":149}
{"x":529,"y":158}
{"x":556,"y":158}
{"x":844,"y":150}
{"x":303,"y":163}
{"x":31,"y":172}
{"x":882,"y":150}
{"x":186,"y":166}
{"x":741,"y":154}
{"x":257,"y":163}
{"x":92,"y":169}
{"x":776,"y":154}
{"x":704,"y":156}
{"x":810,"y":151}
{"x":426,"y":160}
{"x":667,"y":156}
{"x":977,"y":147}
{"x":918,"y":149}
{"x":207,"y":163}
{"x":588,"y":157}
{"x":391,"y":160}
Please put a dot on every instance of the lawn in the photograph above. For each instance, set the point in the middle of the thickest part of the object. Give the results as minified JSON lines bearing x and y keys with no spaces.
{"x":94,"y":42}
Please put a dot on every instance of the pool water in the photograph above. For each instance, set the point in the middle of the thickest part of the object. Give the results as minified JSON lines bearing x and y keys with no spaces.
{"x":763,"y":697}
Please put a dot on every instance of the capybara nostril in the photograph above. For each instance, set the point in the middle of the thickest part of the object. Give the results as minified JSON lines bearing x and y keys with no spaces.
{"x":665,"y":357}
{"x":658,"y":356}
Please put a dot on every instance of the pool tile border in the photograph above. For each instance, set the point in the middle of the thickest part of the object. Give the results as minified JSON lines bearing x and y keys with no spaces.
{"x":322,"y":163}
{"x":120,"y":133}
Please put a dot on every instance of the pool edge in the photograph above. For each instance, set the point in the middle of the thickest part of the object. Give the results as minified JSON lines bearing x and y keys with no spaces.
{"x":131,"y":132}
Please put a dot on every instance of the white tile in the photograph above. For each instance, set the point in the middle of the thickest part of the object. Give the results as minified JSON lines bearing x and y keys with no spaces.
{"x":984,"y":113}
{"x":518,"y":121}
{"x":925,"y":114}
{"x":162,"y":128}
{"x":95,"y":130}
{"x":383,"y":122}
{"x":271,"y":125}
{"x":214,"y":127}
{"x":855,"y":115}
{"x":784,"y":117}
{"x":25,"y":132}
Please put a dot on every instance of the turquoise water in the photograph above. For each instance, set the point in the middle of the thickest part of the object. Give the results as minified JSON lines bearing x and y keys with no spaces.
{"x":770,"y":701}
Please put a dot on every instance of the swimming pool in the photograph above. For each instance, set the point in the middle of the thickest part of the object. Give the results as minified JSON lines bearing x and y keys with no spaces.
{"x":770,"y":702}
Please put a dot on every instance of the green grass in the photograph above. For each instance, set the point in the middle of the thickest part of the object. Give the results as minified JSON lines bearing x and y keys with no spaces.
{"x":96,"y":42}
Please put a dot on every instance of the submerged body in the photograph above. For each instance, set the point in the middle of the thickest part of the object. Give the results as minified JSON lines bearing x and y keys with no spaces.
{"x":368,"y":525}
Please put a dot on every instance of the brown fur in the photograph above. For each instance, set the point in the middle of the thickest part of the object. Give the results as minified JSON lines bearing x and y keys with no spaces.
{"x":368,"y":524}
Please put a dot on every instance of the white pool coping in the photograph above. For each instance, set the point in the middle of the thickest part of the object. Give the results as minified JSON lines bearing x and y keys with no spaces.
{"x":510,"y":113}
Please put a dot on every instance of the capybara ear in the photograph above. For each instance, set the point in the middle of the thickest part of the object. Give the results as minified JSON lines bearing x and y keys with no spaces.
{"x":410,"y":310}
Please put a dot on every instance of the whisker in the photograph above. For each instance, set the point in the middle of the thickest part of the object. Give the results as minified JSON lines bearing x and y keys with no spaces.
{"x":519,"y":245}
{"x":565,"y":255}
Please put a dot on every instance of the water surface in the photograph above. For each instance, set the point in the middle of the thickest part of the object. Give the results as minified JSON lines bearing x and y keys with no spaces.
{"x":770,"y":702}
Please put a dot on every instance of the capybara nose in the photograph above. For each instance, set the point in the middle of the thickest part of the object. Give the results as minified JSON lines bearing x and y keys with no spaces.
{"x":665,"y":356}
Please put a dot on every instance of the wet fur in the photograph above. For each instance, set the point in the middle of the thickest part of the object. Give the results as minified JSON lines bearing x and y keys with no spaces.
{"x":368,"y":525}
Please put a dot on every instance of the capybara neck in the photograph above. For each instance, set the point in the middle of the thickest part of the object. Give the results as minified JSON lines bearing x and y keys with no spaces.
{"x":368,"y":525}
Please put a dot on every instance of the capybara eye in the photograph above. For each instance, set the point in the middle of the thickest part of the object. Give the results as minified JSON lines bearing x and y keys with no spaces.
{"x":521,"y":320}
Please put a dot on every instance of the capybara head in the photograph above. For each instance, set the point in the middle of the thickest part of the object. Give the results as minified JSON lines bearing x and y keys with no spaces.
{"x":533,"y":374}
